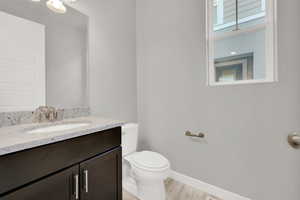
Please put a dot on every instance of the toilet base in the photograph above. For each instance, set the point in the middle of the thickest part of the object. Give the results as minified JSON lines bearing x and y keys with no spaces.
{"x":130,"y":186}
{"x":145,"y":191}
{"x":152,"y":191}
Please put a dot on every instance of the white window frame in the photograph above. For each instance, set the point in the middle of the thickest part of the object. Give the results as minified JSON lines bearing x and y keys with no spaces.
{"x":220,"y":8}
{"x":271,"y":44}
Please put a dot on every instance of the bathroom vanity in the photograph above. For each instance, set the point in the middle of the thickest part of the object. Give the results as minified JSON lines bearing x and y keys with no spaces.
{"x":73,"y":159}
{"x":84,"y":163}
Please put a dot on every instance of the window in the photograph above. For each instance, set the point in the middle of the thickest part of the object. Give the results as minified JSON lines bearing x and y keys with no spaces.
{"x":241,"y":41}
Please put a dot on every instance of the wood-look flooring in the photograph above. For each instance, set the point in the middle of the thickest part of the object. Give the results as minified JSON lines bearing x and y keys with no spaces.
{"x":178,"y":191}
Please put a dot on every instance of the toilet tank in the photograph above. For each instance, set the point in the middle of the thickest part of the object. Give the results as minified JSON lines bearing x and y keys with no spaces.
{"x":129,"y":138}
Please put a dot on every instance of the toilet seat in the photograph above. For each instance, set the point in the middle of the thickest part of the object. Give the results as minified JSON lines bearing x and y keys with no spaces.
{"x":149,"y":161}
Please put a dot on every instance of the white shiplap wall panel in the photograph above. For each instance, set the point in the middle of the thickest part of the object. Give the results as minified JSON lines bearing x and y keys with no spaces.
{"x":22,"y":64}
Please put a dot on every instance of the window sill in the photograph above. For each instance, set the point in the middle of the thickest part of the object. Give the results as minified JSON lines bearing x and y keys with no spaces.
{"x":215,"y":84}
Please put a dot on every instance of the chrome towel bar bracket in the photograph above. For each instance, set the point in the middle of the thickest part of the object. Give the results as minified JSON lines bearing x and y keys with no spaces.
{"x":198,"y":135}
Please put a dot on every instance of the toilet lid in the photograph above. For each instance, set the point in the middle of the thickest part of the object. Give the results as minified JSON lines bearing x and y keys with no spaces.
{"x":151,"y":160}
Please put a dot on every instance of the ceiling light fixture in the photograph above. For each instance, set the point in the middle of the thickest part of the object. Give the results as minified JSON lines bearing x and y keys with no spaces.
{"x":56,"y":6}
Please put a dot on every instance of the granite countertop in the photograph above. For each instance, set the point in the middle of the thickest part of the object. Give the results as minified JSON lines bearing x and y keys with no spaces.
{"x":16,"y":138}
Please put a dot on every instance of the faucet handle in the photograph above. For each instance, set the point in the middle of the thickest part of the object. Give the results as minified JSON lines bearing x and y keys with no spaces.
{"x":51,"y":113}
{"x":37,"y":114}
{"x":60,"y":114}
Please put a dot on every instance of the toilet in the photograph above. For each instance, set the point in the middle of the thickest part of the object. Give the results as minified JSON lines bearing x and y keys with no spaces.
{"x":143,"y":172}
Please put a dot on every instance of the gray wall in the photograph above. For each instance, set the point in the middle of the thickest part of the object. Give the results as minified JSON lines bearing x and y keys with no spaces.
{"x":66,"y":55}
{"x":112,"y":71}
{"x":246,"y":125}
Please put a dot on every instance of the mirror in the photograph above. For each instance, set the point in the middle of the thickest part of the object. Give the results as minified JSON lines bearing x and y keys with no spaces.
{"x":43,"y":56}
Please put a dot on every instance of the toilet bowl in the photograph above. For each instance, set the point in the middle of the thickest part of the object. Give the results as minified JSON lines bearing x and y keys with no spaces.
{"x":143,"y":172}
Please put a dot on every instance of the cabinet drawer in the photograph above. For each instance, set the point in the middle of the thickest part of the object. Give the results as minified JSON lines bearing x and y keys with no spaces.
{"x":23,"y":167}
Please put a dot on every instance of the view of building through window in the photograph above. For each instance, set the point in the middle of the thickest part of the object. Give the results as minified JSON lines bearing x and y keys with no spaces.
{"x":239,"y":40}
{"x":229,"y":13}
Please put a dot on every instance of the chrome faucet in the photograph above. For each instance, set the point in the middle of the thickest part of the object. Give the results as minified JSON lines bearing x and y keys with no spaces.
{"x":47,"y":114}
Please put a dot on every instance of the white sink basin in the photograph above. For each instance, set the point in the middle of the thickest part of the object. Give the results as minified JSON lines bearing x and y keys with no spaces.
{"x":58,"y":127}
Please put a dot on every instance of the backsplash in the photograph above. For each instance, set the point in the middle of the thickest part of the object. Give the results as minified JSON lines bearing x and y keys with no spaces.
{"x":26,"y":117}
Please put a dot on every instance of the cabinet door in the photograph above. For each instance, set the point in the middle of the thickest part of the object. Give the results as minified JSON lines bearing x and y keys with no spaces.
{"x":60,"y":186}
{"x":102,"y":177}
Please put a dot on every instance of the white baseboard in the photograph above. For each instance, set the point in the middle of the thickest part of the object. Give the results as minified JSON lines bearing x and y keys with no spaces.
{"x":205,"y":187}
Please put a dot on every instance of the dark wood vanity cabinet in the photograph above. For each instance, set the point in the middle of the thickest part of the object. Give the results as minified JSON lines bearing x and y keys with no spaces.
{"x":105,"y":183}
{"x":83,"y":168}
{"x":60,"y":186}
